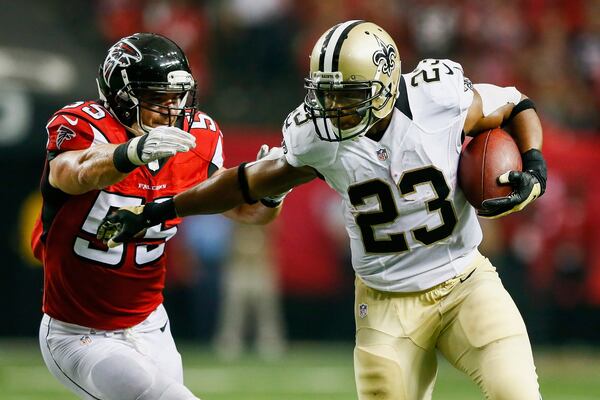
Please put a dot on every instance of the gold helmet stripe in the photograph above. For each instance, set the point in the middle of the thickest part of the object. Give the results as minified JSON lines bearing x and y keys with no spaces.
{"x":334,"y":44}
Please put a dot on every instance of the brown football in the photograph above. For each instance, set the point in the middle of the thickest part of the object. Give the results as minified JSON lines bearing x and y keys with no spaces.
{"x":486,"y":157}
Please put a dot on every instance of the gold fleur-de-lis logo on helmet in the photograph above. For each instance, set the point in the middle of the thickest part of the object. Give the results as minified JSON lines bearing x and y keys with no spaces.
{"x":385,"y":57}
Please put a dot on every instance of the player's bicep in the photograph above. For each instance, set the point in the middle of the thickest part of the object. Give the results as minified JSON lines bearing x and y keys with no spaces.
{"x":63,"y":171}
{"x":79,"y":171}
{"x":491,"y":106}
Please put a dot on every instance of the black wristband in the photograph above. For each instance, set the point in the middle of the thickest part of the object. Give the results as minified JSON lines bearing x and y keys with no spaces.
{"x":243,"y":183}
{"x":156,"y":213}
{"x":534,"y":162}
{"x":271,"y":203}
{"x":121,"y":160}
{"x":523,"y":105}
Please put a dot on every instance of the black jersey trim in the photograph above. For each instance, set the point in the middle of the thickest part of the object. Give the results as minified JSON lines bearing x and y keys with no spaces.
{"x":53,"y":201}
{"x":402,"y":102}
{"x":212,"y":168}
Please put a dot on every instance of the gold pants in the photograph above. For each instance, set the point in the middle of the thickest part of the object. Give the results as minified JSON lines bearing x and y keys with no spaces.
{"x":471,"y":319}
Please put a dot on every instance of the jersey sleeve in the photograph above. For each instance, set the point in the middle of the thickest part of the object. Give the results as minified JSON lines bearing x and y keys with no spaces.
{"x":439,"y":93}
{"x":302,"y":146}
{"x":209,"y":140}
{"x":68,"y":132}
{"x":218,"y":157}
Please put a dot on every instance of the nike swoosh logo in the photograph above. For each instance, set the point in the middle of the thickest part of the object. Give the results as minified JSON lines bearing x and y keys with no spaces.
{"x":164,"y":326}
{"x":73,"y":122}
{"x":467,"y":277}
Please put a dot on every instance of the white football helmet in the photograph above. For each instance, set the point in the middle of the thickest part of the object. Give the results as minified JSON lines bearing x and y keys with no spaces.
{"x":353,"y":81}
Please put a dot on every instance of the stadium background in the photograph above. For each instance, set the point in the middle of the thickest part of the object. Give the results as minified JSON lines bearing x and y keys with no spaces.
{"x":250,"y":57}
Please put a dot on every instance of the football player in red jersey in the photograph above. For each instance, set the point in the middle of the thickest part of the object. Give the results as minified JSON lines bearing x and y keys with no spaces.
{"x":105,"y":333}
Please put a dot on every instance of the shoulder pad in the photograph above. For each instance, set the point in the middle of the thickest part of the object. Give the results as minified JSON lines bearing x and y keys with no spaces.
{"x":438,"y":93}
{"x":203,"y":123}
{"x":301,"y":144}
{"x":88,"y":110}
{"x":209,"y":138}
{"x":80,"y":125}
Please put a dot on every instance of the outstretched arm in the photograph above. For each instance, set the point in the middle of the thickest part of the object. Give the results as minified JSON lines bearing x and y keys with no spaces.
{"x":231,"y":188}
{"x":240,"y":185}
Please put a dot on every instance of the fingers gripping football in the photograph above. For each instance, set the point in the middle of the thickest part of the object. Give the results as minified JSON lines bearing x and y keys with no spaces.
{"x":526,"y":188}
{"x":160,"y":142}
{"x":122,"y":225}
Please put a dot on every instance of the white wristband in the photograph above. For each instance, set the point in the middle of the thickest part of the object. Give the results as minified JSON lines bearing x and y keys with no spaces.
{"x":132,"y":153}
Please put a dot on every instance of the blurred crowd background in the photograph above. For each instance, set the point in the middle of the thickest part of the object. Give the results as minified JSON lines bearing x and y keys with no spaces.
{"x":232,"y":285}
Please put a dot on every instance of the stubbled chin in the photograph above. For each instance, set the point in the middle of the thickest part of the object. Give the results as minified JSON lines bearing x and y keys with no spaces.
{"x":135,"y":129}
{"x":138,"y":131}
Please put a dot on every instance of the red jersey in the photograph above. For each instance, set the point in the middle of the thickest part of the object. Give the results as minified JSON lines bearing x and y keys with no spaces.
{"x":85,"y":282}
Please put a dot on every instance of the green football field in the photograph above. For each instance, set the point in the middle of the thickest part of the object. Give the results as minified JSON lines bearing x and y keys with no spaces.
{"x":307,"y":371}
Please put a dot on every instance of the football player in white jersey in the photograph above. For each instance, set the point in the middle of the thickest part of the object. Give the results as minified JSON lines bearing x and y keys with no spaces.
{"x":389,"y":144}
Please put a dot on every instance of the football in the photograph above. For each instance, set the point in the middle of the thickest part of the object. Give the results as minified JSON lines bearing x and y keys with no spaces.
{"x":486,"y":157}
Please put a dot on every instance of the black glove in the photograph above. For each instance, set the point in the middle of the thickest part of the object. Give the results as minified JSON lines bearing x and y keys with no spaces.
{"x":125,"y":223}
{"x":534,"y":162}
{"x":527,"y":185}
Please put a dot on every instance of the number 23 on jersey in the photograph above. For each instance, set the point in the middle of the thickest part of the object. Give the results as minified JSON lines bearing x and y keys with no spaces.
{"x":388,"y":212}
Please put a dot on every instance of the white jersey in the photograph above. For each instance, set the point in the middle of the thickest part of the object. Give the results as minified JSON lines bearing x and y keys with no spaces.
{"x":409,"y":223}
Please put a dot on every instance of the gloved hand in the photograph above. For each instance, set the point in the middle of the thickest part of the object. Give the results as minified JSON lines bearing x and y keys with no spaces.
{"x":126,"y":223}
{"x":160,"y":142}
{"x":264,"y":153}
{"x":528,"y":185}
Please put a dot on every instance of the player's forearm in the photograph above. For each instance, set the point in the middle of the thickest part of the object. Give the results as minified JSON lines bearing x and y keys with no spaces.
{"x":255,"y":214}
{"x":77,"y":172}
{"x":526,"y":129}
{"x":213,"y":196}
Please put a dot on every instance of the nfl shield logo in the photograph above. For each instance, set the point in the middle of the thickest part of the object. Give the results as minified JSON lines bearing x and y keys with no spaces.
{"x":362,"y":310}
{"x":382,"y":154}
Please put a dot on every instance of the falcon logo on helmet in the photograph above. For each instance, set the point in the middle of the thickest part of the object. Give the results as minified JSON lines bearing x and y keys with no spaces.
{"x":385,"y":57}
{"x":121,"y":54}
{"x":141,"y":69}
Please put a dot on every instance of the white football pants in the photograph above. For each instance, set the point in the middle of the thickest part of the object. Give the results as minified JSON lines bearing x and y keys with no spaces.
{"x":138,"y":363}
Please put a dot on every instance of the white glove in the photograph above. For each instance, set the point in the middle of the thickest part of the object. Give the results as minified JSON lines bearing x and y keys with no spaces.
{"x":160,"y":142}
{"x":264,"y":153}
